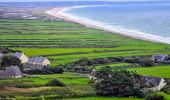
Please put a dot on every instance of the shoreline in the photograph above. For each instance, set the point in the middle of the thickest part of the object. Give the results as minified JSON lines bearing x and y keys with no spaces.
{"x":59,"y":12}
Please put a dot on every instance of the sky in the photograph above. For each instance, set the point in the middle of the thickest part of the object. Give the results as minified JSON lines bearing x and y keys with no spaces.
{"x":65,"y":0}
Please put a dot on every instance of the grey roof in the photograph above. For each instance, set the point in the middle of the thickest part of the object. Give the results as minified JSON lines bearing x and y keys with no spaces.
{"x":10,"y":72}
{"x":155,"y":81}
{"x":18,"y":54}
{"x":36,"y":59}
{"x":159,"y":57}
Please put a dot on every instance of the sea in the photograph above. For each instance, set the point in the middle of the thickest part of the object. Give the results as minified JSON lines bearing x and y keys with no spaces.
{"x":148,"y":20}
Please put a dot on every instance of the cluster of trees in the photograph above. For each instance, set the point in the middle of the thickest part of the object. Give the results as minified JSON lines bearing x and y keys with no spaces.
{"x":6,"y":51}
{"x":83,"y":64}
{"x":121,"y":83}
{"x":46,"y":70}
{"x":7,"y":61}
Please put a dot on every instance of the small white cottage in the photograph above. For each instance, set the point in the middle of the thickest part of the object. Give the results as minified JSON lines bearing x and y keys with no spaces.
{"x":159,"y":57}
{"x":156,"y":82}
{"x":21,"y":56}
{"x":39,"y":60}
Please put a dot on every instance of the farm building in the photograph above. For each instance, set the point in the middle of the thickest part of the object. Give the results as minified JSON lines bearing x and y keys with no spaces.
{"x":21,"y":56}
{"x":29,"y":66}
{"x":39,"y":60}
{"x":10,"y":72}
{"x":156,"y":82}
{"x":159,"y":57}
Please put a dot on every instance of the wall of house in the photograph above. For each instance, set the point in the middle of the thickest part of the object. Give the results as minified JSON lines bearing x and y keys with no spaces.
{"x":162,"y":84}
{"x":46,"y":62}
{"x":23,"y":59}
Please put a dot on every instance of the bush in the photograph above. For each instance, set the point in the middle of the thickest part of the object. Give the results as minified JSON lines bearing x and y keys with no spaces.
{"x":155,"y":96}
{"x":82,"y":69}
{"x":84,"y":62}
{"x":55,"y":82}
{"x":46,"y":70}
{"x":131,"y":60}
{"x":57,"y":70}
{"x":24,"y":85}
{"x":166,"y":89}
{"x":145,"y":62}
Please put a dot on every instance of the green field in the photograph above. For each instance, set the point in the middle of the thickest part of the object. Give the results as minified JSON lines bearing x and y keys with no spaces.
{"x":64,"y":42}
{"x":67,"y":78}
{"x":112,"y":98}
{"x":159,"y":71}
{"x":103,"y":98}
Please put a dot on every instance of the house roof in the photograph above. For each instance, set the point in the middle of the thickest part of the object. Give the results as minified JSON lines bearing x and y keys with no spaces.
{"x":155,"y":81}
{"x":18,"y":54}
{"x":36,"y":59}
{"x":160,"y":56}
{"x":10,"y":72}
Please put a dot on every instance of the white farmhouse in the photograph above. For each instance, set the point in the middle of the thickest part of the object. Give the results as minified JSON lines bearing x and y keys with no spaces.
{"x":159,"y":57}
{"x":21,"y":56}
{"x":39,"y":60}
{"x":156,"y":82}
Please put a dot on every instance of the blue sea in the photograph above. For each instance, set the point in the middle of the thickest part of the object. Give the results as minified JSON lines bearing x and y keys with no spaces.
{"x":151,"y":20}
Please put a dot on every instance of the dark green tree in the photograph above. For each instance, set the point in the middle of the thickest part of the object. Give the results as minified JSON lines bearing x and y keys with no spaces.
{"x":8,"y":61}
{"x":116,"y":83}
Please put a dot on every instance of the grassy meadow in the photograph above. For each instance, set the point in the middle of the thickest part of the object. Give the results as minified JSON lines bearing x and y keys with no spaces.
{"x":64,"y":42}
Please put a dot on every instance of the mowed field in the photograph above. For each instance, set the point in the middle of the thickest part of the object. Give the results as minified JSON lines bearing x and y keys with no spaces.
{"x":64,"y":42}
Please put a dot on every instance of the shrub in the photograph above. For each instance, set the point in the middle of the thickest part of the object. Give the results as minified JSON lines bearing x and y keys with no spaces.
{"x":46,"y":70}
{"x":145,"y":62}
{"x":131,"y":60}
{"x":83,"y":62}
{"x":155,"y":96}
{"x":24,"y":85}
{"x":58,"y":70}
{"x":166,"y":89}
{"x":55,"y":82}
{"x":82,"y":69}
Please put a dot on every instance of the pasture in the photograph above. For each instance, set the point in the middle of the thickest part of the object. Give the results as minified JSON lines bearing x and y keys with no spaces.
{"x":64,"y":42}
{"x":159,"y":71}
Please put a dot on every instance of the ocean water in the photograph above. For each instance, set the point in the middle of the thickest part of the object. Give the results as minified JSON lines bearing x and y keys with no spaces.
{"x":151,"y":20}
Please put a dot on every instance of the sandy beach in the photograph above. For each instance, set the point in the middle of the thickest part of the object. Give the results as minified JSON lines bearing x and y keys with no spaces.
{"x":60,"y":13}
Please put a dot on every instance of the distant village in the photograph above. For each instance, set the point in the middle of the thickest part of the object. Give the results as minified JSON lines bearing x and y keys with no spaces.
{"x":27,"y":64}
{"x":38,"y":63}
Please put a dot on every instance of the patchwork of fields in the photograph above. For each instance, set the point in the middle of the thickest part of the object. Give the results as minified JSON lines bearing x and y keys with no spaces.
{"x":64,"y":42}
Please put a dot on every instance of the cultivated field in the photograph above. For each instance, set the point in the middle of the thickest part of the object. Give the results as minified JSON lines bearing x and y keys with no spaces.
{"x":64,"y":42}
